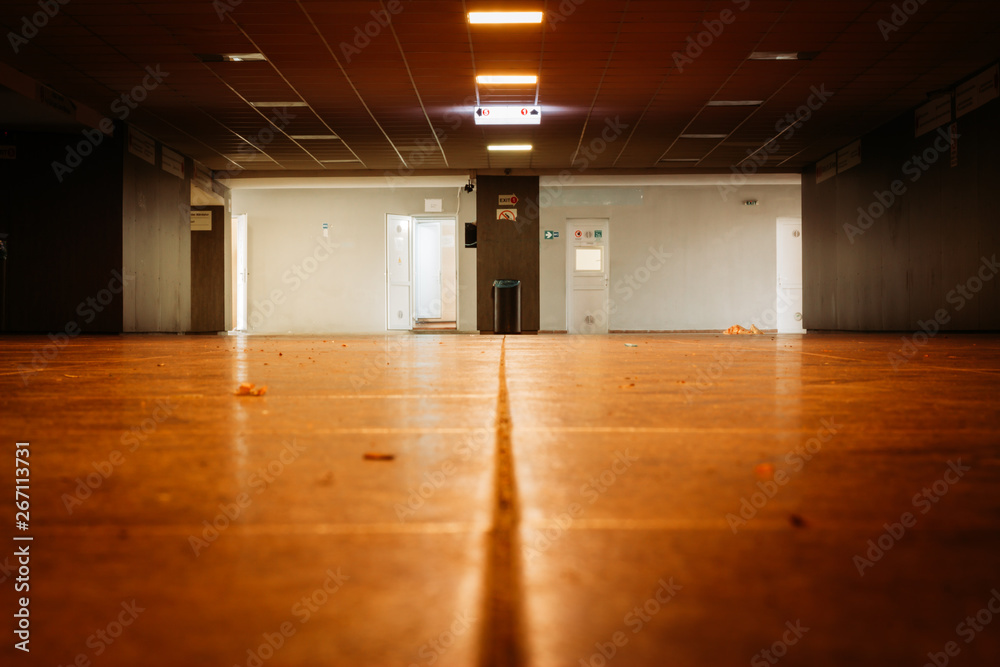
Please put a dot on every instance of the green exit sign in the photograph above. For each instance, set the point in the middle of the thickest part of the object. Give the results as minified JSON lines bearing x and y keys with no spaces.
{"x":549,"y":235}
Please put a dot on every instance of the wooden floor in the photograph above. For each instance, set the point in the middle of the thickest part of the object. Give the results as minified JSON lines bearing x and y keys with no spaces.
{"x":687,"y":500}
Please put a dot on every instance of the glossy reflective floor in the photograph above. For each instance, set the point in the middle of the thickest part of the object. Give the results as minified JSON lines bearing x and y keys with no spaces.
{"x":691,"y":500}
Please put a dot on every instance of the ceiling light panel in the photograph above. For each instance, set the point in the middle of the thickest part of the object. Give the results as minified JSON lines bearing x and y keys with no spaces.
{"x":504,"y":17}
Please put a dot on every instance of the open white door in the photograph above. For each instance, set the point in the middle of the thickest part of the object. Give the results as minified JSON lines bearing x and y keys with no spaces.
{"x":398,"y":279}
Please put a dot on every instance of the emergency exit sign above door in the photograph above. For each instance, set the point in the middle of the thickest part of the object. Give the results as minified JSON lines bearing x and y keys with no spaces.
{"x":508,"y":200}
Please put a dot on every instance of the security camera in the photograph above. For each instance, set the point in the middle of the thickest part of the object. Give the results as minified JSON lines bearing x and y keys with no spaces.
{"x":470,"y":186}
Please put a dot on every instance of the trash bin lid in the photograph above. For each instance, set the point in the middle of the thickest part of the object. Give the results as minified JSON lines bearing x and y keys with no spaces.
{"x":506,"y":283}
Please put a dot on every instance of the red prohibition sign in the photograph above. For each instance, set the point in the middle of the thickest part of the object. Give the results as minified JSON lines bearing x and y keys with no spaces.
{"x":524,"y":112}
{"x":486,"y":112}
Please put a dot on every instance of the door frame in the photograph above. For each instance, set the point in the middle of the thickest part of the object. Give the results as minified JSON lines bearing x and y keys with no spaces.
{"x":426,"y":217}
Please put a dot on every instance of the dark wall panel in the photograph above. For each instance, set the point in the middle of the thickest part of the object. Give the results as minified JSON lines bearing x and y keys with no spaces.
{"x":507,"y":250}
{"x":904,"y":265}
{"x":208,"y":276}
{"x":64,"y":268}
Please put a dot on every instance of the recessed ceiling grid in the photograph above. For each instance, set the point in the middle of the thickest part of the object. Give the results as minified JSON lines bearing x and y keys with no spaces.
{"x":399,"y":96}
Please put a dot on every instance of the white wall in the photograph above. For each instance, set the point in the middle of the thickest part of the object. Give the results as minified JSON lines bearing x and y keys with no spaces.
{"x":723,"y":263}
{"x":344,"y":293}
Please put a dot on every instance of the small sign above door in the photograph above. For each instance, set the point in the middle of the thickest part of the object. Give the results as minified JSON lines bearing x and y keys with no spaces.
{"x":508,"y":200}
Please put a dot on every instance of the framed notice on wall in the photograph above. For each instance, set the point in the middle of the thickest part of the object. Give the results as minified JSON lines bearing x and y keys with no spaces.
{"x":201,"y":221}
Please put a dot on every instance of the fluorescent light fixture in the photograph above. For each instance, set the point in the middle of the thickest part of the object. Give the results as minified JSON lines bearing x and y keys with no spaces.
{"x":506,"y":79}
{"x":312,"y":137}
{"x":510,"y":115}
{"x":781,"y":55}
{"x":735,"y":103}
{"x":231,"y":57}
{"x":704,"y":136}
{"x":243,"y":57}
{"x":509,"y":147}
{"x":505,"y":17}
{"x":346,"y":160}
{"x":681,"y":159}
{"x":264,"y":105}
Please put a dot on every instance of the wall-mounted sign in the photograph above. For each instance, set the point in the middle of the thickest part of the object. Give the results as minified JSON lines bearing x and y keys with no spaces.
{"x":506,"y":214}
{"x":508,"y":115}
{"x":826,"y":168}
{"x":508,"y":200}
{"x":202,"y":177}
{"x":141,"y":145}
{"x":977,"y":91}
{"x":849,"y":156}
{"x":433,"y":206}
{"x":172,"y":163}
{"x":933,"y":115}
{"x":201,"y":221}
{"x":551,"y":235}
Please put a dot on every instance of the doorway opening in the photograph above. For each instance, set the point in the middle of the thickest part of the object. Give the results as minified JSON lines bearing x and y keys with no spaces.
{"x":421,"y":273}
{"x":587,"y":276}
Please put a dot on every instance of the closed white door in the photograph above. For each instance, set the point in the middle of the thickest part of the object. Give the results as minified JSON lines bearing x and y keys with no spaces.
{"x":587,"y":276}
{"x":240,"y":271}
{"x":398,"y":279}
{"x":789,"y":288}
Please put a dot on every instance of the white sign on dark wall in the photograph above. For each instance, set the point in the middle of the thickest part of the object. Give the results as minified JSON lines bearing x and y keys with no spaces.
{"x":172,"y":163}
{"x":201,"y":221}
{"x":141,"y":145}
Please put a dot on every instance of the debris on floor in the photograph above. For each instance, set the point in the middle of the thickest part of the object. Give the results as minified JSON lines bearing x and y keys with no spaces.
{"x":797,"y":521}
{"x":377,"y":456}
{"x":737,"y":329}
{"x":248,"y":389}
{"x":764,"y":471}
{"x":631,"y":345}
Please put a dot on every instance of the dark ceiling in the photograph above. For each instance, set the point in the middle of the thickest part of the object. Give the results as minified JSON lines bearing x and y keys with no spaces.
{"x":400,"y":97}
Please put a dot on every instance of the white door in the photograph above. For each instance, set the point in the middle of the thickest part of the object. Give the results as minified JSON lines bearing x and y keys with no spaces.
{"x":427,"y":269}
{"x":240,"y":271}
{"x":587,"y":276}
{"x":789,"y":288}
{"x":398,"y":280}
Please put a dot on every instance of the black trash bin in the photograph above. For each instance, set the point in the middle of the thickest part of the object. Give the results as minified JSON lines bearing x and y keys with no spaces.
{"x":507,"y":306}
